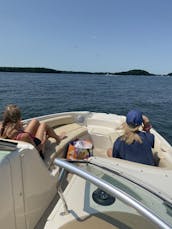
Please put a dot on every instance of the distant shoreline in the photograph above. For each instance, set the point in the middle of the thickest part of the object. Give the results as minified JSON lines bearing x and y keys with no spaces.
{"x":49,"y":70}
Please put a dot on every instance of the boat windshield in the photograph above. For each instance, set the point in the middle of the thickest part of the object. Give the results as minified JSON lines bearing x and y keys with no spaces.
{"x":149,"y":200}
{"x":6,"y":147}
{"x":106,"y":187}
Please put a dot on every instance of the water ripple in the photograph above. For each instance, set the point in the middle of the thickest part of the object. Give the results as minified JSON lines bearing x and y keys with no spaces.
{"x":40,"y":94}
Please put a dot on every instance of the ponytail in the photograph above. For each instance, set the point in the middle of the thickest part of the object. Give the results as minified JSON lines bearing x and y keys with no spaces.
{"x":130,"y":134}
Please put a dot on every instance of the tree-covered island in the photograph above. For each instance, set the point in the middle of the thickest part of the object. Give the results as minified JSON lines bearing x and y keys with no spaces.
{"x":29,"y":69}
{"x":134,"y":72}
{"x":49,"y":70}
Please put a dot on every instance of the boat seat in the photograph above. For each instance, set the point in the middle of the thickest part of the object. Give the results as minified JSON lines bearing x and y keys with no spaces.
{"x":73,"y":131}
{"x":103,"y":139}
{"x":101,"y":143}
{"x":165,"y":160}
{"x":67,"y":128}
{"x":111,"y":121}
{"x":58,"y":121}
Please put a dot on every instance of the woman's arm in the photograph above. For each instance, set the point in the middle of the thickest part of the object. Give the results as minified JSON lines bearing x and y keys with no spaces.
{"x":146,"y":123}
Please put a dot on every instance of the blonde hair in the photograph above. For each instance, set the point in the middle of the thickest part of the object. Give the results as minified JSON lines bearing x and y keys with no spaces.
{"x":130,"y":134}
{"x":11,"y":115}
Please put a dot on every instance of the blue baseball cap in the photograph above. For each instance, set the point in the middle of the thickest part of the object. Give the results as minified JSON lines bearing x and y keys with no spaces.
{"x":134,"y":118}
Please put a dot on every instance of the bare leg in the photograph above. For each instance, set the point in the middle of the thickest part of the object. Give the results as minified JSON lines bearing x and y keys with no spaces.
{"x":109,"y":152}
{"x":44,"y":130}
{"x":41,"y":132}
{"x":51,"y":133}
{"x":32,"y":127}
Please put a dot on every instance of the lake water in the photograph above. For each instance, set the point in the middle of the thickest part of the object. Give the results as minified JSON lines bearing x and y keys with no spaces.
{"x":41,"y":94}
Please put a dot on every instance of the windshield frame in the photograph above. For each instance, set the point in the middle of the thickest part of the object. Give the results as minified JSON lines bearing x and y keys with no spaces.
{"x":112,"y":190}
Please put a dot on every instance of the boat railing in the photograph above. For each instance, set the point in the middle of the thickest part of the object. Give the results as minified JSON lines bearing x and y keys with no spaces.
{"x":111,"y":190}
{"x":62,"y":175}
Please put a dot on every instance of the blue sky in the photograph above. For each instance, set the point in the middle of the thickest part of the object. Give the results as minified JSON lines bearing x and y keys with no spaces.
{"x":87,"y":35}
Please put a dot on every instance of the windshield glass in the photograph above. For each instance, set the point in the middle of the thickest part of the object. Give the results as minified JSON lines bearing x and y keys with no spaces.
{"x":149,"y":200}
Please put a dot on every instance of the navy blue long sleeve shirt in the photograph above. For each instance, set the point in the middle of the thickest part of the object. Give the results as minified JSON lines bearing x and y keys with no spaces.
{"x":136,"y":152}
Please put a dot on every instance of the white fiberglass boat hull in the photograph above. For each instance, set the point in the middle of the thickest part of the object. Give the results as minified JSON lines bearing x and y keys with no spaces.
{"x":29,"y":184}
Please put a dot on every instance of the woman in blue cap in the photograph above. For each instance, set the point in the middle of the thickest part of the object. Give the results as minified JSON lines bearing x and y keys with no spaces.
{"x":135,"y":145}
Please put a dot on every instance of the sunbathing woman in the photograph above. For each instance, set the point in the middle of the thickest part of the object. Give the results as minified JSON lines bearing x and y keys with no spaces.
{"x":35,"y":132}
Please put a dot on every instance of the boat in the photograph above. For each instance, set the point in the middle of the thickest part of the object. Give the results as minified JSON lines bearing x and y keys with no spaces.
{"x":103,"y":192}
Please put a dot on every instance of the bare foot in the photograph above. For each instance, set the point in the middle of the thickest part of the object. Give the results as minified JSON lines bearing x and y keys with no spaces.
{"x":61,"y":137}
